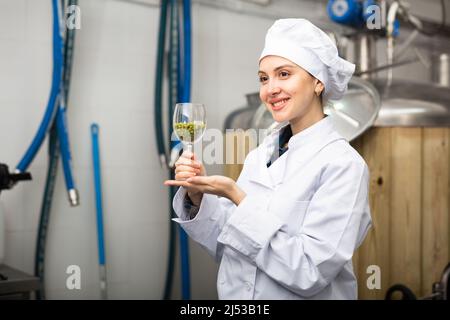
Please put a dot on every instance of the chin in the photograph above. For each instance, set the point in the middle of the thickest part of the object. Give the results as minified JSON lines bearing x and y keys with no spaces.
{"x":278,"y":117}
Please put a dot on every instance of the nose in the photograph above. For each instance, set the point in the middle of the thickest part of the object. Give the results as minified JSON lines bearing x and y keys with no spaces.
{"x":273,"y":88}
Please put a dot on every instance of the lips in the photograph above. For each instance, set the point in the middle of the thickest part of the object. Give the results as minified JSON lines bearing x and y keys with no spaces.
{"x":278,"y":104}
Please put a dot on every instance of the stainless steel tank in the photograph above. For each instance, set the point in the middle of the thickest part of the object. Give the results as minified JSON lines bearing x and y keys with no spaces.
{"x":411,"y":104}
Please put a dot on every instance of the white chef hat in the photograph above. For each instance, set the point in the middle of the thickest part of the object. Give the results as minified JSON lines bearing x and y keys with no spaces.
{"x":301,"y":42}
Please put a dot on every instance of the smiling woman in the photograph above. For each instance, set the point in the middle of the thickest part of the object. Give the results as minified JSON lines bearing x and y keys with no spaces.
{"x":290,"y":93}
{"x":288,"y":227}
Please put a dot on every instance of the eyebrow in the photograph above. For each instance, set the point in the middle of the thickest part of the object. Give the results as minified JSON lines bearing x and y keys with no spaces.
{"x":279,"y":67}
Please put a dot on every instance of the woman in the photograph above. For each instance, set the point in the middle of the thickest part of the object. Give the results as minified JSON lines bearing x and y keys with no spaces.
{"x":287,"y":229}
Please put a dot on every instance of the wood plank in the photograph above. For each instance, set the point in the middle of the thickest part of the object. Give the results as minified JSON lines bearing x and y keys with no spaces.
{"x":375,"y":249}
{"x":435,"y":224}
{"x":406,"y":204}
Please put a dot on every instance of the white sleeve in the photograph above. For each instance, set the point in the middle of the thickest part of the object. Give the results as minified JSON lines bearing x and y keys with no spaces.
{"x":208,"y":223}
{"x":336,"y":221}
{"x":213,"y":213}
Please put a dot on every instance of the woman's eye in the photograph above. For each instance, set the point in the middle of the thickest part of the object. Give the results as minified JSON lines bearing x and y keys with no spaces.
{"x":262,"y":79}
{"x":284,"y":74}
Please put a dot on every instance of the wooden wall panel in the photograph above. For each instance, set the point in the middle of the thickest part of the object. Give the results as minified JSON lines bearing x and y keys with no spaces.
{"x":376,"y":248}
{"x":410,"y":209}
{"x":435,"y":206}
{"x":406,"y":204}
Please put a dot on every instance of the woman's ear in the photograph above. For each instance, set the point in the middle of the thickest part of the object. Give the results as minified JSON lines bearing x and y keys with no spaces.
{"x":318,"y":87}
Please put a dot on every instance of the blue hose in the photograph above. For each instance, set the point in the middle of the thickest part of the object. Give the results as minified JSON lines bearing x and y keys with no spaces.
{"x":61,"y":117}
{"x":176,"y":92}
{"x":98,"y":192}
{"x":61,"y":121}
{"x":99,"y":208}
{"x":175,"y":96}
{"x":52,"y":105}
{"x":53,"y":147}
{"x":184,"y":96}
{"x":159,"y":132}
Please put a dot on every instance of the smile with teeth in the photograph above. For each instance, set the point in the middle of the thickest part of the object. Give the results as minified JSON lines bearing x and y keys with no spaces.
{"x":279,"y":104}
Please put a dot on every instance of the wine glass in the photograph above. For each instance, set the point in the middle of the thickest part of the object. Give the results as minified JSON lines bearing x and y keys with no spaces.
{"x":189,"y":123}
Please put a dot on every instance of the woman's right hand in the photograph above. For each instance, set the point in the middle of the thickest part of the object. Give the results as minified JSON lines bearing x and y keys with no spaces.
{"x":188,"y":166}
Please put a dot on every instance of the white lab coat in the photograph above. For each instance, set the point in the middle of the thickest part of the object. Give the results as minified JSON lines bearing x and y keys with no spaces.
{"x":294,"y":234}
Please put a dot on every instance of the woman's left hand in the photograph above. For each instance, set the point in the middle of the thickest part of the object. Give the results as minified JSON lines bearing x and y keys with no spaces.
{"x":218,"y":185}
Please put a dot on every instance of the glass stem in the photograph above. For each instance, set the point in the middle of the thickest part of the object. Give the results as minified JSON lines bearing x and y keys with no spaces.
{"x":189,"y":147}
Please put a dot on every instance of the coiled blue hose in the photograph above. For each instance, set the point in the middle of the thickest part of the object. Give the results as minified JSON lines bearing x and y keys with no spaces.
{"x":52,"y":102}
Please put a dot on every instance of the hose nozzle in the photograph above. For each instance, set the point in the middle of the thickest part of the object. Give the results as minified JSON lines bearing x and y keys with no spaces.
{"x":74,"y":199}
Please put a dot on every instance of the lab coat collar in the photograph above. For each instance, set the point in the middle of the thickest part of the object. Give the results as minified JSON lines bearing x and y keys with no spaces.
{"x":305,"y":145}
{"x":318,"y":131}
{"x":302,"y":147}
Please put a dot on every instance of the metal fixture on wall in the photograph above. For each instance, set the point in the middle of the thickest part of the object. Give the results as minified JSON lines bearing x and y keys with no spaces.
{"x":440,"y":71}
{"x":365,"y":54}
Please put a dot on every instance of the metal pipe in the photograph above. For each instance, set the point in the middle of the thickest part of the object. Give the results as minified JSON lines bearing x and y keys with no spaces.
{"x":386,"y":66}
{"x":392,"y":13}
{"x":441,"y":70}
{"x":365,"y":55}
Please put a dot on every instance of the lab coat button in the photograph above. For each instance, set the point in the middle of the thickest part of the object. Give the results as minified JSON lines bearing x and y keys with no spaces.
{"x":248,"y":286}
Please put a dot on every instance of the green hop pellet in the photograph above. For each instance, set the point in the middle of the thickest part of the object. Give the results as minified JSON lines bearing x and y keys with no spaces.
{"x":189,"y":131}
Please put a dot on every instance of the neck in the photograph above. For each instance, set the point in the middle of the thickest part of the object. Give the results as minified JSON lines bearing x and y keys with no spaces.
{"x":313,"y":115}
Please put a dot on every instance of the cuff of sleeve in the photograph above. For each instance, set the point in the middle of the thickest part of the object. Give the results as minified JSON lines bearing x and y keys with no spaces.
{"x":250,"y":228}
{"x":205,"y":211}
{"x":178,"y":204}
{"x":191,"y":208}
